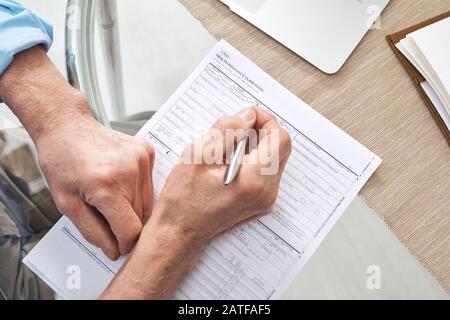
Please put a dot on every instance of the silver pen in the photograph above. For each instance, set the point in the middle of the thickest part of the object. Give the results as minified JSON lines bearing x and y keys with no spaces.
{"x":235,"y":163}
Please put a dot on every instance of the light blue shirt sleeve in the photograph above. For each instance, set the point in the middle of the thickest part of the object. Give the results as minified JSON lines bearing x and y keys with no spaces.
{"x":20,"y":29}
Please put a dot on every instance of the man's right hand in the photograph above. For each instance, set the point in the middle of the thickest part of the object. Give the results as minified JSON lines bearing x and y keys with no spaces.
{"x":194,"y":197}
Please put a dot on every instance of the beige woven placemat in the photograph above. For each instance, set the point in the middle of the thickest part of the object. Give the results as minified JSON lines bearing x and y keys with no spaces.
{"x":374,"y":100}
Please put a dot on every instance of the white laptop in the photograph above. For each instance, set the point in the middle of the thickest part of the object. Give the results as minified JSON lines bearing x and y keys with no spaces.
{"x":323,"y":32}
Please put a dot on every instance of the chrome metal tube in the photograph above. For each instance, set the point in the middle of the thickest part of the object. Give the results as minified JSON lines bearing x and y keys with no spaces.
{"x":80,"y":54}
{"x":109,"y":34}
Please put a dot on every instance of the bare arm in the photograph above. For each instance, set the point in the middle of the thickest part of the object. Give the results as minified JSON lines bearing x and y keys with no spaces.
{"x":38,"y":94}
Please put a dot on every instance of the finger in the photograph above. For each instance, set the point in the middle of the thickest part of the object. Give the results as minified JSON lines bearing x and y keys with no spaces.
{"x":147,"y":198}
{"x":265,"y":120}
{"x":226,"y":131}
{"x":124,"y":222}
{"x":140,"y":199}
{"x":275,"y":142}
{"x":96,"y":230}
{"x":273,"y":149}
{"x":147,"y":184}
{"x":136,"y":201}
{"x":267,"y":125}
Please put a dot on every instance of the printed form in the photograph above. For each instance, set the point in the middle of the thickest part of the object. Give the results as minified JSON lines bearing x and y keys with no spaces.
{"x":258,"y":260}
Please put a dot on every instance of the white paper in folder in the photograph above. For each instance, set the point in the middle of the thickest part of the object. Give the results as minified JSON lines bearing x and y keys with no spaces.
{"x":428,"y":50}
{"x":257,"y":260}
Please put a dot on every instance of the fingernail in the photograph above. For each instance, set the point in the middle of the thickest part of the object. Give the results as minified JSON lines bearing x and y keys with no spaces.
{"x":247,"y":114}
{"x":107,"y":253}
{"x":111,"y":254}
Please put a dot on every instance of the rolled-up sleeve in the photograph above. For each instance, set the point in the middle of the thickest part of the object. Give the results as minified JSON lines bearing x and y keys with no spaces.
{"x":20,"y":29}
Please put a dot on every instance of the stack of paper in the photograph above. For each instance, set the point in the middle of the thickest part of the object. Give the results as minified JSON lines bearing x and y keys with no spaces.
{"x":258,"y":260}
{"x":428,"y":49}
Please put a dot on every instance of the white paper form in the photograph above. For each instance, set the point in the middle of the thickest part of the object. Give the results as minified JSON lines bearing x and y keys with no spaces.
{"x":258,"y":260}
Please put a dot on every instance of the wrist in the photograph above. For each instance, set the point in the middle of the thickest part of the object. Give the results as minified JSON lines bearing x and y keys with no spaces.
{"x":159,"y":262}
{"x":71,"y":112}
{"x":39,"y":96}
{"x":168,"y":216}
{"x":174,"y":239}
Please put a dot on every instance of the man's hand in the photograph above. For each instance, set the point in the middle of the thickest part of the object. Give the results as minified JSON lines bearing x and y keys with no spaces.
{"x":99,"y":178}
{"x":196,"y":206}
{"x":195,"y":199}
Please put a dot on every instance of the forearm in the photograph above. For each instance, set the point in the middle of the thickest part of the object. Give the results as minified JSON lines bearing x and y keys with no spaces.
{"x":161,"y":259}
{"x":38,"y":94}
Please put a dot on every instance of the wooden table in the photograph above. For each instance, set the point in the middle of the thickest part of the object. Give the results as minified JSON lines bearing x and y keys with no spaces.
{"x":373,"y":99}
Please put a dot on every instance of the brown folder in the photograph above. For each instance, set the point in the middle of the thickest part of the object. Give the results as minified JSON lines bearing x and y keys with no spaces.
{"x":393,"y":39}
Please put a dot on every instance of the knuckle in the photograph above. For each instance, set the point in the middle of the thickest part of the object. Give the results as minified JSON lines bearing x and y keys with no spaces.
{"x":285,"y":140}
{"x":131,"y":234}
{"x":132,"y":169}
{"x":268,"y":200}
{"x":259,"y":186}
{"x":150,"y":151}
{"x":141,"y":155}
{"x":135,"y":231}
{"x":62,"y":203}
{"x":253,"y":189}
{"x":104,"y":177}
{"x":225,"y":122}
{"x":144,"y":148}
